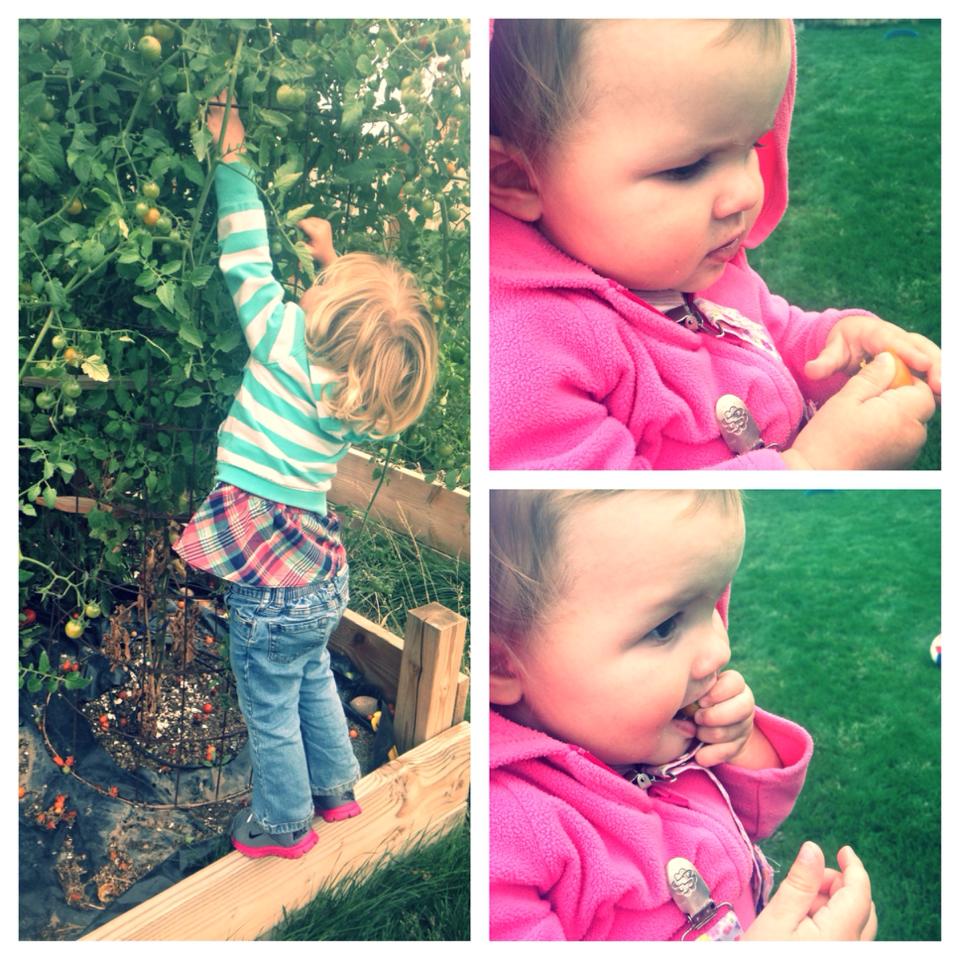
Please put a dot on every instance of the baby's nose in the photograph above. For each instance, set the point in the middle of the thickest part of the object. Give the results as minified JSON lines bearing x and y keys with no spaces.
{"x":741,"y":192}
{"x":714,"y":654}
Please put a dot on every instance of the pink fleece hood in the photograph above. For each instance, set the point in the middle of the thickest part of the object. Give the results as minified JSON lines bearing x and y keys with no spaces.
{"x":773,"y":158}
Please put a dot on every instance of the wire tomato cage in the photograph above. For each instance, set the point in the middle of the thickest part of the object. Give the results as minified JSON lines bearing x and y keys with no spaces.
{"x":158,"y":693}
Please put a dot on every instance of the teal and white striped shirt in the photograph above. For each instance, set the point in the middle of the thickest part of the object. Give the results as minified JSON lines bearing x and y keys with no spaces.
{"x":279,"y":440}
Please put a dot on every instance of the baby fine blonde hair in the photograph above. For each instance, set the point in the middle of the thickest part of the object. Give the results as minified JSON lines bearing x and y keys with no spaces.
{"x":370,"y":324}
{"x":527,"y":576}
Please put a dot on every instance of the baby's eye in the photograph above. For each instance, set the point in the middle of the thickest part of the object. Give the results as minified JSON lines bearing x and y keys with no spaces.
{"x":664,"y":632}
{"x":689,"y":172}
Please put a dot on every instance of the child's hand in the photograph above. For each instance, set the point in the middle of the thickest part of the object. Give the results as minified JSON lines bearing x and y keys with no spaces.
{"x":857,"y":338}
{"x":319,"y":239}
{"x":233,"y":138}
{"x":865,"y":426}
{"x":725,"y":719}
{"x":815,"y":903}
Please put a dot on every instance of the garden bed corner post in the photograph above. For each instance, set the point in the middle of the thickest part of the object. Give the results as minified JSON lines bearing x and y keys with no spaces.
{"x":429,"y":695}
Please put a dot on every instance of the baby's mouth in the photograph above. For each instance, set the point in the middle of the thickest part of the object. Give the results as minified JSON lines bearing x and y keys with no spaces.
{"x":688,"y":712}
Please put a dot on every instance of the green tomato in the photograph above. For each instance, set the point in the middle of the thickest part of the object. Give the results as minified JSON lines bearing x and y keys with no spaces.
{"x":45,"y":400}
{"x":163,"y":225}
{"x":151,"y":190}
{"x":71,"y":389}
{"x":91,"y":609}
{"x":68,"y":410}
{"x":162,"y":31}
{"x":26,"y":405}
{"x":150,"y":48}
{"x":140,"y":208}
{"x":59,"y":341}
{"x":292,"y":98}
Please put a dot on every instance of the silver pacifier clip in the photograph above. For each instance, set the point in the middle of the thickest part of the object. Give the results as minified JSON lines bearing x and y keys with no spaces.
{"x":737,"y":427}
{"x":706,"y":920}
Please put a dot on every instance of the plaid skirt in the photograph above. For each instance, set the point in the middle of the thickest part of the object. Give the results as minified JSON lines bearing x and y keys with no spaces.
{"x":246,"y":539}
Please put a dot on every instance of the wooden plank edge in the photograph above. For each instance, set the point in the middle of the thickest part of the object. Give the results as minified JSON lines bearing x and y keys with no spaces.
{"x":406,"y":503}
{"x":414,"y":795}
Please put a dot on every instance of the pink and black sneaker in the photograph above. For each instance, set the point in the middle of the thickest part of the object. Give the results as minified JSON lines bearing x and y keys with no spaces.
{"x":252,"y":840}
{"x":336,"y":806}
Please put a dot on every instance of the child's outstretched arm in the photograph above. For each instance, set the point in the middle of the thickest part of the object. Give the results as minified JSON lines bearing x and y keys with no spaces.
{"x":272,"y":325}
{"x":233,"y":135}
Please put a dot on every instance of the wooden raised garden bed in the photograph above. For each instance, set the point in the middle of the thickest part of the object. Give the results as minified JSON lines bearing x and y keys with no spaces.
{"x":423,"y":791}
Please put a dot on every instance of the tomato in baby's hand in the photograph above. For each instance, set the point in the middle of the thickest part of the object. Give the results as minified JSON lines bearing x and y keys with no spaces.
{"x":902,"y":376}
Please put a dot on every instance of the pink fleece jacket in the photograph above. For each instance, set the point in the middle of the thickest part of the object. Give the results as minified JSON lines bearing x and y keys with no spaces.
{"x":585,"y":375}
{"x":578,"y":852}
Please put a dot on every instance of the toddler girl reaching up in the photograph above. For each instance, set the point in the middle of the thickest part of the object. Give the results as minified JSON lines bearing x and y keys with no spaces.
{"x":354,"y":359}
{"x":630,"y":774}
{"x":632,"y":163}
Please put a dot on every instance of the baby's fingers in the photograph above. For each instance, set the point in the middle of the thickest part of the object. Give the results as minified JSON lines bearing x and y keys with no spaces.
{"x":728,"y":707}
{"x":849,"y":912}
{"x":833,"y":357}
{"x":710,"y":755}
{"x":916,"y":400}
{"x":922,"y":356}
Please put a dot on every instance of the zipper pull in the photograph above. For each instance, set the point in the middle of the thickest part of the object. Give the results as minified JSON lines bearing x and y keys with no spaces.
{"x":706,"y":919}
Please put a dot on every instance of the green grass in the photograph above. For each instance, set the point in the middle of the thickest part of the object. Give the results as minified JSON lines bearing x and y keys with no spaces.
{"x":832,"y":614}
{"x":422,"y":894}
{"x":390,"y":573}
{"x":863,"y":225}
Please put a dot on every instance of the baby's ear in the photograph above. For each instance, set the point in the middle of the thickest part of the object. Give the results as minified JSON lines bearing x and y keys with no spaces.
{"x":513,"y":186}
{"x":506,"y":686}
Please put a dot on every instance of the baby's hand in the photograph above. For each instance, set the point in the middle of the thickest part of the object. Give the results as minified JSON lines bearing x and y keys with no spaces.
{"x":814,"y":903}
{"x":319,"y":239}
{"x":233,"y":138}
{"x":857,"y":338}
{"x":725,"y":719}
{"x":865,"y":425}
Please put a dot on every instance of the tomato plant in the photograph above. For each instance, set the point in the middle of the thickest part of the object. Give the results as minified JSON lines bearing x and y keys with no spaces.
{"x":129,"y":347}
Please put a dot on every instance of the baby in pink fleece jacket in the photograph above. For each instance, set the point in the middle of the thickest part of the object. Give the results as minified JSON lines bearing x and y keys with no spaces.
{"x":631,"y":774}
{"x":632,"y":163}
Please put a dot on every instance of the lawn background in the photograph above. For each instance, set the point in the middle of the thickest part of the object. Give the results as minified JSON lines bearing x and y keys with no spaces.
{"x":863,"y":225}
{"x":831,"y":617}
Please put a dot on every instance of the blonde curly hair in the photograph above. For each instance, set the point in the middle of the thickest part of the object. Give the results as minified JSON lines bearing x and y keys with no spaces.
{"x":368,"y":322}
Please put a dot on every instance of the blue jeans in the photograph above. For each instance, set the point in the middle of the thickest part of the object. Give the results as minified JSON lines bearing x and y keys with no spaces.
{"x":299,"y":740}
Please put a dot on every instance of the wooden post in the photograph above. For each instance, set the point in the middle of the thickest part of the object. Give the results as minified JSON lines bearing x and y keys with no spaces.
{"x":428,"y":691}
